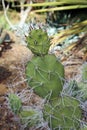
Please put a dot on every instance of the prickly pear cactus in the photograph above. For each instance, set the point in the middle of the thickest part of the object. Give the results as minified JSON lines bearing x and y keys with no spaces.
{"x":45,"y":75}
{"x":63,"y":113}
{"x":38,"y":42}
{"x":15,"y":103}
{"x":30,"y":117}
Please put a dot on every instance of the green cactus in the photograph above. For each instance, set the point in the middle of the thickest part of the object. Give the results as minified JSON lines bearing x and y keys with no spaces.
{"x":45,"y":75}
{"x":15,"y":103}
{"x":38,"y":42}
{"x":29,"y":117}
{"x":63,"y":113}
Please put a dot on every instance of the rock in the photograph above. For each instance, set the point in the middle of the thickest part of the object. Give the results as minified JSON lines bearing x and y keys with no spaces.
{"x":4,"y":73}
{"x":3,"y":89}
{"x":14,"y":61}
{"x":16,"y":55}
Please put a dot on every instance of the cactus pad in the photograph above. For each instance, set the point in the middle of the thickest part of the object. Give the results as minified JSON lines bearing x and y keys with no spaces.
{"x":38,"y":42}
{"x":15,"y":103}
{"x":45,"y":75}
{"x":63,"y":113}
{"x":29,"y":117}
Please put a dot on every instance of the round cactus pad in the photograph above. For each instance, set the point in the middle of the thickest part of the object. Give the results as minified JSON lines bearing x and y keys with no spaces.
{"x":45,"y":75}
{"x":38,"y":42}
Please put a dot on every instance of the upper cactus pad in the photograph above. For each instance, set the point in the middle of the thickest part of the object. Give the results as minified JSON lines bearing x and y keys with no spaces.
{"x":38,"y":42}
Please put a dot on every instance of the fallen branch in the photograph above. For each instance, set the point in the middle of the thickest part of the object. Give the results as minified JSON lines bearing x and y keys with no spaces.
{"x":5,"y":14}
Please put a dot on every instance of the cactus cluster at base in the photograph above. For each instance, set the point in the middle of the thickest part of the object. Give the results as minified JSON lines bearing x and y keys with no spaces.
{"x":45,"y":75}
{"x":15,"y":103}
{"x":30,"y":117}
{"x":63,"y":113}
